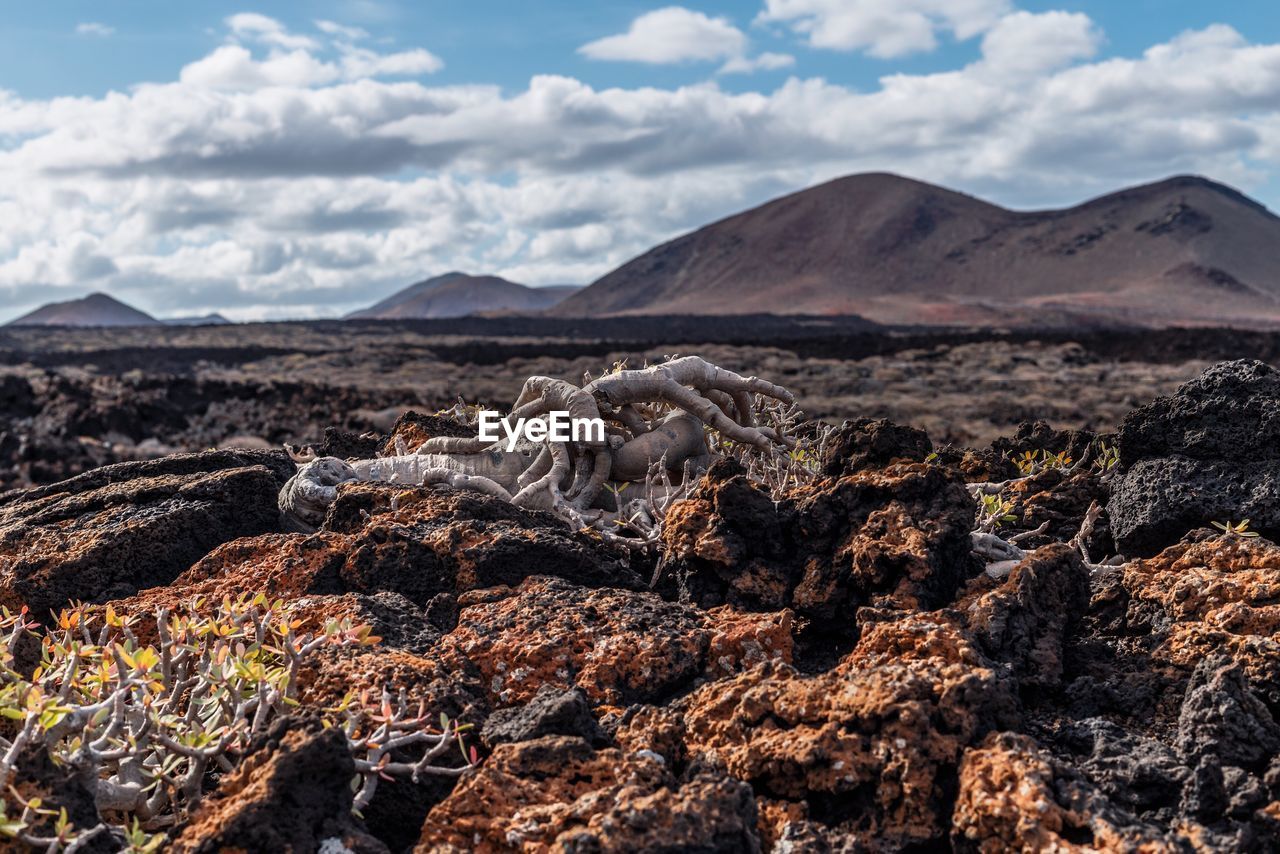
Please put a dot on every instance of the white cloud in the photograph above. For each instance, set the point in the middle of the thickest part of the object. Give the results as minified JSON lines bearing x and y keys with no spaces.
{"x":294,"y":60}
{"x":234,"y":68}
{"x":358,"y":63}
{"x":93,"y":28}
{"x":1025,"y":43}
{"x":884,"y":28}
{"x":254,"y":27}
{"x":762,"y":62}
{"x":276,"y":181}
{"x":340,"y":31}
{"x":670,"y":35}
{"x":677,"y":35}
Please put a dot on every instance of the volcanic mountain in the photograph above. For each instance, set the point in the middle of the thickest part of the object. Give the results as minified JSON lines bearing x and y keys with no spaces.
{"x":93,"y":310}
{"x":213,"y":319}
{"x":1184,"y":251}
{"x":459,"y":294}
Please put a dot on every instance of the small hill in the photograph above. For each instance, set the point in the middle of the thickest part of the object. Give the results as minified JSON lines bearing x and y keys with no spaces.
{"x":214,"y":319}
{"x":1182,"y":251}
{"x":460,"y":294}
{"x":94,"y":310}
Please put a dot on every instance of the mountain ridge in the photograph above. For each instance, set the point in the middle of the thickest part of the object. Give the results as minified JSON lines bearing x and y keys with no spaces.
{"x":457,"y":294}
{"x":1184,"y":250}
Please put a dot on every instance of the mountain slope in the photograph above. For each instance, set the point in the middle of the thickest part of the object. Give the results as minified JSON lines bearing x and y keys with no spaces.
{"x":1184,"y":250}
{"x":93,"y":310}
{"x":459,"y":294}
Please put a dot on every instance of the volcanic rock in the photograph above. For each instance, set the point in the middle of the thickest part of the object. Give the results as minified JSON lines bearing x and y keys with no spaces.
{"x":618,"y":646}
{"x":1023,"y":622}
{"x":1013,"y":796}
{"x":896,"y":537}
{"x":884,"y":730}
{"x":1141,"y":774}
{"x":109,"y":532}
{"x":866,"y":443}
{"x":552,"y":711}
{"x":557,"y":793}
{"x":1209,"y":453}
{"x":458,"y":541}
{"x":292,"y":794}
{"x":420,"y":543}
{"x":411,"y":429}
{"x":1217,"y":597}
{"x":1222,"y":718}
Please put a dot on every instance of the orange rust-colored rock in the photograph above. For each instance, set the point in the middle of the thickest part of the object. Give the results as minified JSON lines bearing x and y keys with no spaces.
{"x":618,"y":646}
{"x":1220,"y":595}
{"x":558,"y":794}
{"x":419,"y":543}
{"x":740,"y":639}
{"x":413,"y":428}
{"x":776,"y":816}
{"x":1014,"y":797}
{"x":884,"y":730}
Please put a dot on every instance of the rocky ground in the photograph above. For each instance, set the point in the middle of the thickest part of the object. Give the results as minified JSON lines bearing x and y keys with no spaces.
{"x":72,"y":400}
{"x":836,"y":671}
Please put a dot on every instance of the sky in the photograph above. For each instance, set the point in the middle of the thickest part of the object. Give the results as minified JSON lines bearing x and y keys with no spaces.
{"x":292,"y":160}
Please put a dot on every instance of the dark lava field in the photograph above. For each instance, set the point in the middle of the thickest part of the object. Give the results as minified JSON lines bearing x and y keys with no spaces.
{"x":1027,"y":598}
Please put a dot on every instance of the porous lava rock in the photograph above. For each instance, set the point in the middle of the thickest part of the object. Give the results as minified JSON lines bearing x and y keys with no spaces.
{"x":1060,"y":499}
{"x":1141,"y":774}
{"x":1219,"y":597}
{"x":292,"y":794}
{"x":420,"y":543}
{"x":552,"y":711}
{"x":618,"y":646}
{"x":1210,"y":452}
{"x":110,"y":532}
{"x":895,"y":537}
{"x":872,"y":745}
{"x":1023,"y":621}
{"x":557,"y":793}
{"x":1014,"y":796}
{"x":867,"y":443}
{"x":413,"y":428}
{"x":1222,"y":718}
{"x":446,"y":540}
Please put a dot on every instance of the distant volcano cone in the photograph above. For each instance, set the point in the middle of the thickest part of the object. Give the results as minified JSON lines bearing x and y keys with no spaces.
{"x":94,"y":310}
{"x":459,"y":294}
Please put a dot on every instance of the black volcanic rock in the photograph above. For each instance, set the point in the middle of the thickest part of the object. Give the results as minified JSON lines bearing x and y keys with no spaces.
{"x":866,"y":443}
{"x":1210,"y":452}
{"x":552,"y":711}
{"x":112,"y":531}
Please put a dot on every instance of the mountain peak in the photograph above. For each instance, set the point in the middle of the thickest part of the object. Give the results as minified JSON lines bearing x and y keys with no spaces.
{"x":95,"y":309}
{"x":457,"y":294}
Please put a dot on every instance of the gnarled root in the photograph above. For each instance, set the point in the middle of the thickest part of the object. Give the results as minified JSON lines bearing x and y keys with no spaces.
{"x":656,"y":421}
